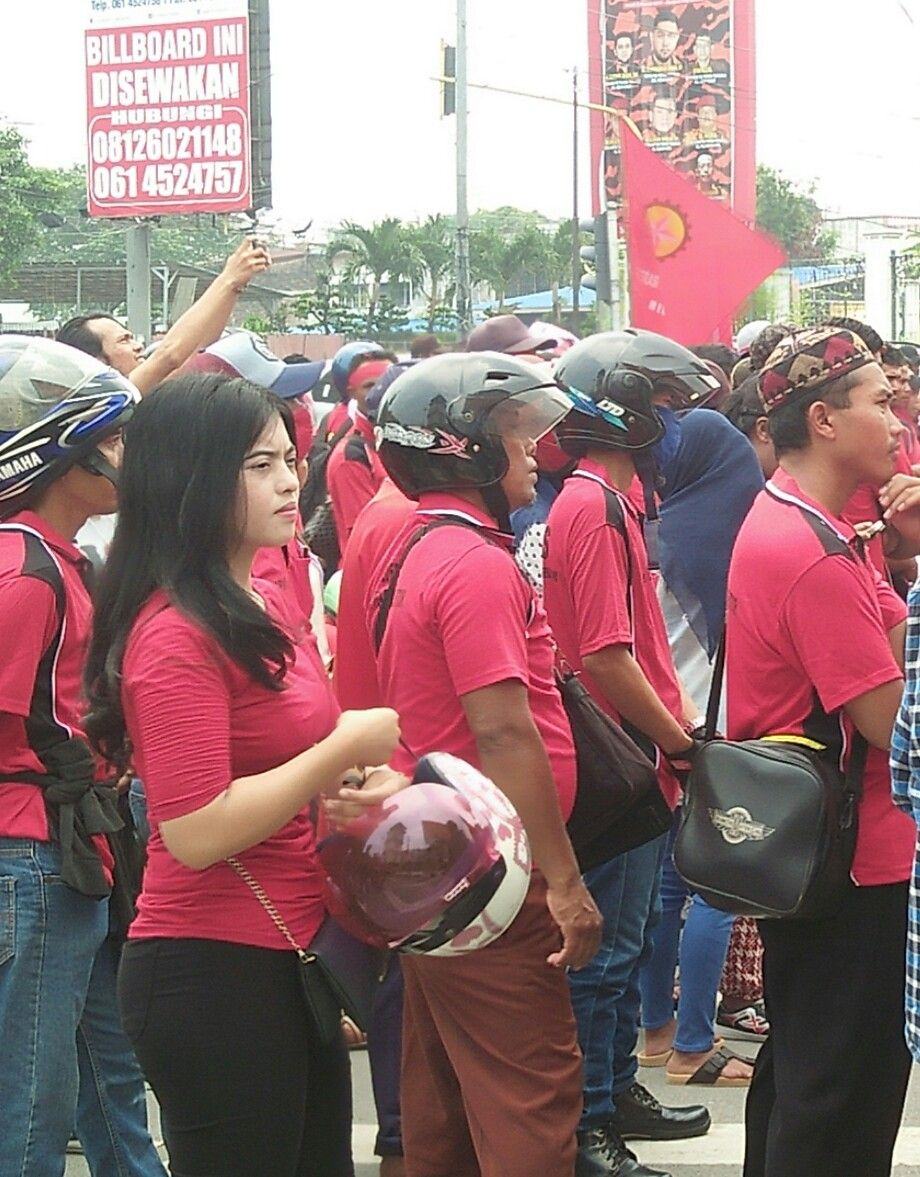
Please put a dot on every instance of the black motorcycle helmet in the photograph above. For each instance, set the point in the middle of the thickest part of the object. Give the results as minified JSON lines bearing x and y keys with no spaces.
{"x":611,"y":379}
{"x":441,"y":424}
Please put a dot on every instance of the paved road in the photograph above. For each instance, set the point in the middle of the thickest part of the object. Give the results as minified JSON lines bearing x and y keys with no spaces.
{"x":717,"y":1154}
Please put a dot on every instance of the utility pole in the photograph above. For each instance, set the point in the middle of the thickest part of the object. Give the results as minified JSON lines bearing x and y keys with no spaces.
{"x":137,"y":267}
{"x":464,"y":299}
{"x":576,"y":249}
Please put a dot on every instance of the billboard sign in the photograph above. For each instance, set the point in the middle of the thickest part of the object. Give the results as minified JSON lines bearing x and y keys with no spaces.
{"x":682,"y":74}
{"x":167,"y":105}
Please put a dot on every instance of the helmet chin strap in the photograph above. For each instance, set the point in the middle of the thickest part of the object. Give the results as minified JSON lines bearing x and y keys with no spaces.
{"x":95,"y":462}
{"x":497,"y":502}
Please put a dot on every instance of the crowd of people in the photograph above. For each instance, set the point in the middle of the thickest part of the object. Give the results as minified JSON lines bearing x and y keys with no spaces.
{"x":296,"y":610}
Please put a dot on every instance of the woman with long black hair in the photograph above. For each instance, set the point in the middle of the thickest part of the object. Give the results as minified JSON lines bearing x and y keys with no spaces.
{"x":217,"y":698}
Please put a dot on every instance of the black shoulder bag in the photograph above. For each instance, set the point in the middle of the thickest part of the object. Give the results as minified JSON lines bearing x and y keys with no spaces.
{"x":768,"y":826}
{"x":618,"y":802}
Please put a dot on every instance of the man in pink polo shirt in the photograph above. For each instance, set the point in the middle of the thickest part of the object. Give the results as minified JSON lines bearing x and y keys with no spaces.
{"x":66,"y":1060}
{"x":491,"y":1069}
{"x":815,"y":648}
{"x":601,"y":603}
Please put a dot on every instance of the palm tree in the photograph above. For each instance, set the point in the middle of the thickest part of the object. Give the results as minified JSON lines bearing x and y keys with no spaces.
{"x":381,"y":250}
{"x":498,"y":260}
{"x":432,"y":245}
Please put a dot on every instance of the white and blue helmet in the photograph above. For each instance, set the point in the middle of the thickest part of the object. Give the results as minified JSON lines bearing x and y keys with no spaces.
{"x":56,"y":405}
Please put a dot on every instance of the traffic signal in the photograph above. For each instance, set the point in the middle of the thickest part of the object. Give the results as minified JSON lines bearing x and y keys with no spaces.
{"x":448,"y":79}
{"x":597,"y":256}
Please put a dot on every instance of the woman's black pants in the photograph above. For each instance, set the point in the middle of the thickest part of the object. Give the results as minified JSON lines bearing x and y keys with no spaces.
{"x":223,"y":1037}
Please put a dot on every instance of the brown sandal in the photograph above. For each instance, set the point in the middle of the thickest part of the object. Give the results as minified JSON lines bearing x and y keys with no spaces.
{"x":710,"y":1073}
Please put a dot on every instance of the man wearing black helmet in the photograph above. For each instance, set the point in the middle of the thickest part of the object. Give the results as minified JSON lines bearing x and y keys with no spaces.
{"x":604,"y":612}
{"x":61,"y":414}
{"x":491,"y":1070}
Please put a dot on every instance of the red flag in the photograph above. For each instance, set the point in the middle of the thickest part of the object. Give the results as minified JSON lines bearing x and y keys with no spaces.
{"x":692,"y":261}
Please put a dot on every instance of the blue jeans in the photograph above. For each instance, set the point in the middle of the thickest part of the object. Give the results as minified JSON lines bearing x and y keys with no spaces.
{"x":605,"y":993}
{"x":701,"y":951}
{"x":137,"y":801}
{"x":66,"y":1061}
{"x":384,"y":1051}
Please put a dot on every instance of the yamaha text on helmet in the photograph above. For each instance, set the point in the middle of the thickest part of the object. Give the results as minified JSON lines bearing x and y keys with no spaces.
{"x":611,"y":380}
{"x":442,"y":424}
{"x":56,"y":405}
{"x":441,"y":868}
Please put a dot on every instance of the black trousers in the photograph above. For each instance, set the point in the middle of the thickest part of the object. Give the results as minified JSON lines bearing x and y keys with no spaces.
{"x":223,"y":1036}
{"x":829,"y":1084}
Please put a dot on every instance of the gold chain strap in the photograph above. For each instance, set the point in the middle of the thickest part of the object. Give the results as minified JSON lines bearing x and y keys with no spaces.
{"x":273,"y":912}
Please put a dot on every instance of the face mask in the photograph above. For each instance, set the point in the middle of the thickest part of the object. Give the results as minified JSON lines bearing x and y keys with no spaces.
{"x":663,"y":451}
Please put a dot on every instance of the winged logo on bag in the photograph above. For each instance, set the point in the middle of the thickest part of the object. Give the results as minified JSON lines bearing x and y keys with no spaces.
{"x":736,"y":825}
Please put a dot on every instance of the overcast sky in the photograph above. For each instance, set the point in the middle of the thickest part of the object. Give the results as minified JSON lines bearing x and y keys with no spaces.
{"x":357,"y":132}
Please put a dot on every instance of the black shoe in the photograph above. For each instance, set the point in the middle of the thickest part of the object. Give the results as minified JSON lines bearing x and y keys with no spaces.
{"x":601,"y":1153}
{"x":639,"y":1116}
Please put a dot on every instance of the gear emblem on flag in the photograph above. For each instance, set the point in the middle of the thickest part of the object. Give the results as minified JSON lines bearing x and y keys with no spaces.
{"x":668,"y":227}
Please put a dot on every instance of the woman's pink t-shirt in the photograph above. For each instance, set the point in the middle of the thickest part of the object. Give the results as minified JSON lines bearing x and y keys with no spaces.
{"x":196,"y":722}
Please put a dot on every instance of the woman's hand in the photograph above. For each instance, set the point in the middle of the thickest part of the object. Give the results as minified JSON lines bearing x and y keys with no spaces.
{"x":371,"y":735}
{"x":350,"y":801}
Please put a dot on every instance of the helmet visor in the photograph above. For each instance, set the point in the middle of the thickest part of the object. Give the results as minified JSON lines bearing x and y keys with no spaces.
{"x":528,"y":415}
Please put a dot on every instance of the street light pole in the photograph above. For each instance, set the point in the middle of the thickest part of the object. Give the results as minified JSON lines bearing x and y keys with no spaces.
{"x":576,"y":255}
{"x":137,"y":266}
{"x":464,"y":299}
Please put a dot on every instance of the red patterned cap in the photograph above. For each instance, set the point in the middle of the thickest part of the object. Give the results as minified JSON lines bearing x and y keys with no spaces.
{"x":805,"y":361}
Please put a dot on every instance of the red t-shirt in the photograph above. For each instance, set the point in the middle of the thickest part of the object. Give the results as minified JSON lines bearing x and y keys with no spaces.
{"x":598,"y":594}
{"x":38,"y":683}
{"x":806,"y":635}
{"x":465,"y":618}
{"x":355,"y":669}
{"x":353,"y":475}
{"x":196,"y":722}
{"x":335,"y":419}
{"x":289,"y":569}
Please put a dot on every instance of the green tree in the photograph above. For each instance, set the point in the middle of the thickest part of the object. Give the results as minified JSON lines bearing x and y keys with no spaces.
{"x":324,"y":308}
{"x":432,"y":247}
{"x":500,"y":260}
{"x":381,"y":250}
{"x":27,"y":194}
{"x":792,"y":215}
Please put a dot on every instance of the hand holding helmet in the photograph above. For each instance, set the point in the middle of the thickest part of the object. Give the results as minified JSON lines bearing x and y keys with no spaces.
{"x":353,"y":800}
{"x":441,"y":867}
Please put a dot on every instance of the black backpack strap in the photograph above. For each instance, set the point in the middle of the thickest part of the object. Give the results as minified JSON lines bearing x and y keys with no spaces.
{"x":388,"y":595}
{"x":616,"y":518}
{"x":42,"y":731}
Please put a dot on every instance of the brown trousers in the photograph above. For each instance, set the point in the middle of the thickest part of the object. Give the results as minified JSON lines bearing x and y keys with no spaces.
{"x":491,"y":1071}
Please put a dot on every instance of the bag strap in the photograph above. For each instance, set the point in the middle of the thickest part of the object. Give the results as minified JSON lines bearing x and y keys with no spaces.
{"x":834,"y":545}
{"x":616,"y":518}
{"x":388,"y":595}
{"x":274,"y":915}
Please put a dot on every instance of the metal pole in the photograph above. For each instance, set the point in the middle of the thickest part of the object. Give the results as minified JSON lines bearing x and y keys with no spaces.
{"x":137,"y":265}
{"x":576,"y":256}
{"x":464,"y":299}
{"x":617,"y":316}
{"x":894,"y":294}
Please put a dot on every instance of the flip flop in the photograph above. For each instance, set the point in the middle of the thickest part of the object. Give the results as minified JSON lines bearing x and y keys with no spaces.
{"x":654,"y":1060}
{"x":709,"y":1073}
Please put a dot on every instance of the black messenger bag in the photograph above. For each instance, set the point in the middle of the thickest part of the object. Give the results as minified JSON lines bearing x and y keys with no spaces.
{"x":769,"y":826}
